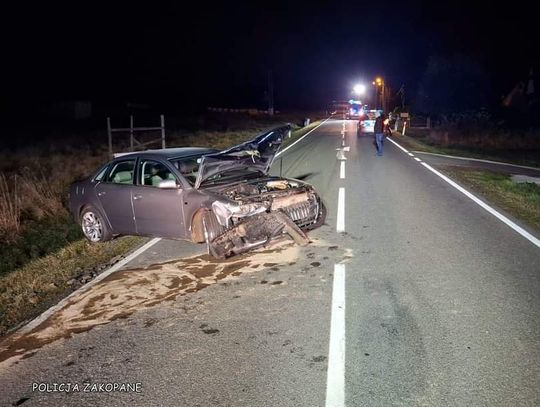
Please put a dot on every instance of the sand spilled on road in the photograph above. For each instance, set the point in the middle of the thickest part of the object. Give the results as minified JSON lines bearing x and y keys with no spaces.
{"x":124,"y":292}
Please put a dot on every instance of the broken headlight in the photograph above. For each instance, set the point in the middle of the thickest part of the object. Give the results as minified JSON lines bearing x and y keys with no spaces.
{"x":225,"y":211}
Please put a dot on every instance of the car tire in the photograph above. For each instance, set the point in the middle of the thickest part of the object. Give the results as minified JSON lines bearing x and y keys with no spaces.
{"x":94,"y":226}
{"x":212,"y":229}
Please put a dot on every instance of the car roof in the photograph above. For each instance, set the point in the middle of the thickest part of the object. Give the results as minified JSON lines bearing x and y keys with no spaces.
{"x":168,"y":153}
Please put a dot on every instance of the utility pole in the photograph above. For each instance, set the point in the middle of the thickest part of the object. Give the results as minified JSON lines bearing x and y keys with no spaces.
{"x":270,"y":93}
{"x":530,"y":84}
{"x":379,"y":83}
{"x":401,"y":92}
{"x":383,"y":91}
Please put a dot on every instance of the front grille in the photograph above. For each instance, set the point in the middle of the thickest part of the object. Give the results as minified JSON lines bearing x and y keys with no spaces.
{"x":303,"y":213}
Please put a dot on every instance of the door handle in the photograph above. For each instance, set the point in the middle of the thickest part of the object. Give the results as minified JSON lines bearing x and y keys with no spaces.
{"x":101,"y":193}
{"x":135,"y":197}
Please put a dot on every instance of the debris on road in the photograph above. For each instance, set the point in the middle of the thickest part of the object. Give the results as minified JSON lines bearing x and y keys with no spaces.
{"x":257,"y":230}
{"x":127,"y":291}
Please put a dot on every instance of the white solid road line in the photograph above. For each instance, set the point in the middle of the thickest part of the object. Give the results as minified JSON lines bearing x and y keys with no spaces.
{"x":533,"y":239}
{"x":304,"y":136}
{"x":479,"y":160}
{"x":340,"y":226}
{"x":401,"y":148}
{"x":488,"y":208}
{"x":46,"y":314}
{"x":342,"y":170}
{"x":335,"y":381}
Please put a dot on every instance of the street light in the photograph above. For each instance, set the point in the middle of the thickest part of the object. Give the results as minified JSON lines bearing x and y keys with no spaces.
{"x":359,"y":89}
{"x":379,"y":82}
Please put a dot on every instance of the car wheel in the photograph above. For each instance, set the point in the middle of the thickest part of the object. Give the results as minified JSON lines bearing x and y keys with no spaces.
{"x":212,"y":229}
{"x":94,"y":226}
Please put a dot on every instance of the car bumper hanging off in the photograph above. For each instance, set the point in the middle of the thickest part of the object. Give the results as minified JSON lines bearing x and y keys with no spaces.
{"x":255,"y":231}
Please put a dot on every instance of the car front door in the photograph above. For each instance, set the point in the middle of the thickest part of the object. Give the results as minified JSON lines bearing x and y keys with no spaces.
{"x":158,"y":211}
{"x":114,"y":193}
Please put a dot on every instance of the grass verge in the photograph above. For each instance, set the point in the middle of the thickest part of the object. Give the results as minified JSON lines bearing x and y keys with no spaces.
{"x":417,"y":140}
{"x":40,"y":238}
{"x":298,"y":132}
{"x":521,"y":200}
{"x":28,"y":291}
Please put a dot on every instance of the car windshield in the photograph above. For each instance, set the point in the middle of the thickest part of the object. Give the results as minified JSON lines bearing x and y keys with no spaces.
{"x":188,"y":167}
{"x":232,"y":175}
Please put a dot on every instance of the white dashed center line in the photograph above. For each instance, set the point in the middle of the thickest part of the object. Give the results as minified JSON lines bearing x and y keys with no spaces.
{"x":340,"y":227}
{"x":335,"y":382}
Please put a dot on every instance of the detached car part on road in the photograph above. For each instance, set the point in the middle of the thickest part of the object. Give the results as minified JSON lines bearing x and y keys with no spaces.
{"x":226,"y":199}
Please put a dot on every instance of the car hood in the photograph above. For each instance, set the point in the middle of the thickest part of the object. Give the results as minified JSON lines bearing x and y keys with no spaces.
{"x":257,"y":154}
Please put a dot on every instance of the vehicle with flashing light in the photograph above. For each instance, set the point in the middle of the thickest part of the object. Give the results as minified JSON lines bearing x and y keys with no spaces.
{"x":339,"y":107}
{"x":366,"y":122}
{"x":355,"y":109}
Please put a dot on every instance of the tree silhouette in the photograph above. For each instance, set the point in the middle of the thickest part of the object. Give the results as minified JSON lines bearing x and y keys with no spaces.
{"x":452,"y":84}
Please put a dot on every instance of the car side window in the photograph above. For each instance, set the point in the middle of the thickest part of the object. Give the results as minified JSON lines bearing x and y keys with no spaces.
{"x":101,"y":174}
{"x":122,"y":173}
{"x":153,"y":172}
{"x":188,"y":167}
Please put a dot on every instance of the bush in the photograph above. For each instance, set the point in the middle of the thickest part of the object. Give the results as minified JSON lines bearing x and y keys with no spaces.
{"x":489,"y":139}
{"x":10,"y":210}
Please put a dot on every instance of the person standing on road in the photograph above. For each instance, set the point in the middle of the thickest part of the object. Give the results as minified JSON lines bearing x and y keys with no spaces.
{"x":387,"y":129}
{"x":378,"y":129}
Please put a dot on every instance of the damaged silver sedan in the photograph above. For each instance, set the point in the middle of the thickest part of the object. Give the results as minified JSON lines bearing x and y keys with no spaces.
{"x":226,"y":199}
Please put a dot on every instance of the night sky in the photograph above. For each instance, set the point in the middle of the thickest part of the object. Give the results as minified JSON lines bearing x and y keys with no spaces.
{"x":219,"y":54}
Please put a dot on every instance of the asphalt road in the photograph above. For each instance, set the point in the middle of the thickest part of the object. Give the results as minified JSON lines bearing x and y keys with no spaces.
{"x":433,"y":302}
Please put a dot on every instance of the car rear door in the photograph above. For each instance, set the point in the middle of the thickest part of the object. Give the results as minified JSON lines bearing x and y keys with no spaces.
{"x":114,"y":194}
{"x":158,"y":211}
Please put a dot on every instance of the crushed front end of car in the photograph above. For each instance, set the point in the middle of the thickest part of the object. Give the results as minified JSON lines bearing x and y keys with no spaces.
{"x":249,"y":212}
{"x":253,"y":213}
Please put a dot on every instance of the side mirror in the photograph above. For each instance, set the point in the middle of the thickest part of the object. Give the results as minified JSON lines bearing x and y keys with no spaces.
{"x":168,"y":184}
